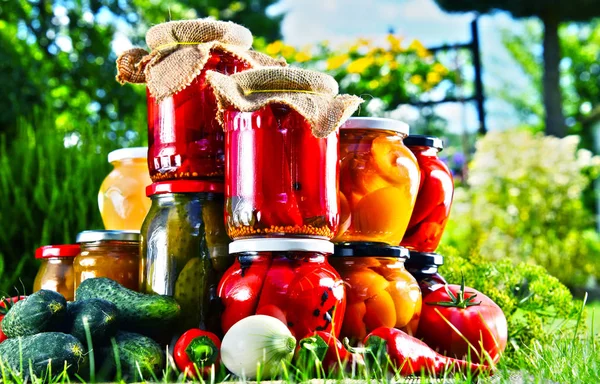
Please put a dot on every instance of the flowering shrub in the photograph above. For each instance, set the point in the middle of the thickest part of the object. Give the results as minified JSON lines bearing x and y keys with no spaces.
{"x":392,"y":73}
{"x":524,"y":202}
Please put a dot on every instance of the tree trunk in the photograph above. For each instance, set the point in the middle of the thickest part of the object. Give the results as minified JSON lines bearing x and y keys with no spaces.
{"x":555,"y":119}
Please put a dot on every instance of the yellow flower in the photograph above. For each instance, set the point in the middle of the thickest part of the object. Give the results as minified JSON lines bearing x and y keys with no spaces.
{"x":439,"y":68}
{"x":288,"y":51}
{"x":394,"y":43}
{"x":360,"y":65}
{"x":373,"y":84}
{"x":419,"y":49}
{"x":335,"y":62}
{"x":416,"y":79}
{"x":274,"y":48}
{"x":433,"y":78}
{"x":302,"y":57}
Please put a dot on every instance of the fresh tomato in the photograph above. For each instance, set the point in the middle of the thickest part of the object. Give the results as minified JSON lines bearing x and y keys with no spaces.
{"x":5,"y":304}
{"x":197,"y":351}
{"x":458,"y":321}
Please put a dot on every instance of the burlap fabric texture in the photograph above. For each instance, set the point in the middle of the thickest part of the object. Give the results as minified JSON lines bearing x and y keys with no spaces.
{"x":312,"y":94}
{"x":179,"y":51}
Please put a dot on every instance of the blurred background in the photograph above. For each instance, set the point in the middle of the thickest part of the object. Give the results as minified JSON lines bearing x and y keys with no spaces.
{"x":511,"y":86}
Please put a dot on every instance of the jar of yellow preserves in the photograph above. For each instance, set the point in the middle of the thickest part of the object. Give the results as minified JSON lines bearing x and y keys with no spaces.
{"x":122,"y":196}
{"x":379,"y":181}
{"x":56,"y":270}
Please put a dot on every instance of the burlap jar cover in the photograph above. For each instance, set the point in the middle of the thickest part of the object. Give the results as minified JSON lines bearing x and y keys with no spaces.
{"x":313,"y":95}
{"x":180,"y":50}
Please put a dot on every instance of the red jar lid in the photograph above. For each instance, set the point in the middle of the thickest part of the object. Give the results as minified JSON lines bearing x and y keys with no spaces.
{"x":184,"y":186}
{"x":50,"y":251}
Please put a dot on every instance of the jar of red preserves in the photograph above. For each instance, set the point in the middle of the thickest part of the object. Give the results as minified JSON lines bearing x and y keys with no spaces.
{"x":424,"y":267}
{"x":289,"y":279}
{"x":379,"y":181}
{"x":434,"y":200}
{"x":379,"y":290}
{"x":281,"y":180}
{"x":56,"y":271}
{"x":185,"y":140}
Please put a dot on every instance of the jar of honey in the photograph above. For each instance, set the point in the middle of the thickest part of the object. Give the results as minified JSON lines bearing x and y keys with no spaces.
{"x":380,"y":291}
{"x":56,"y":270}
{"x":379,"y":181}
{"x":110,"y":254}
{"x":122,"y":196}
{"x":434,"y":200}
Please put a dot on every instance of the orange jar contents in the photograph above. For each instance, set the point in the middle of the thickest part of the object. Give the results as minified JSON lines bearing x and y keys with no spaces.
{"x":56,"y":271}
{"x":380,"y":291}
{"x":122,"y":197}
{"x":185,"y":139}
{"x":436,"y":189}
{"x":281,"y":180}
{"x":111,"y":254}
{"x":289,"y":279}
{"x":379,"y":181}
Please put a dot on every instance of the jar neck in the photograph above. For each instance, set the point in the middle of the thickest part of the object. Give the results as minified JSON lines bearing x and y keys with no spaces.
{"x":182,"y":198}
{"x":425,"y":151}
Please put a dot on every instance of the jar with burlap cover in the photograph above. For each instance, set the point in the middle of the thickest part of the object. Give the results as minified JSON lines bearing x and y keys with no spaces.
{"x":312,"y":94}
{"x":180,"y":50}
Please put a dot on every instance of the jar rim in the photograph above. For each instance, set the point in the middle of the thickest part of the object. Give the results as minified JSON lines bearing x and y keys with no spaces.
{"x":379,"y":123}
{"x":424,"y":141}
{"x":280,"y":245}
{"x":369,"y":249}
{"x":92,"y":236}
{"x":184,"y":186}
{"x":426,"y":258}
{"x":57,"y":251}
{"x":128,"y":153}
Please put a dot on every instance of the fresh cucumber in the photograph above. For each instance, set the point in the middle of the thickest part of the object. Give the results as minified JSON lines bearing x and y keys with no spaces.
{"x":43,"y":311}
{"x":100,"y":315}
{"x":43,"y":353}
{"x":136,"y":311}
{"x":133,"y":354}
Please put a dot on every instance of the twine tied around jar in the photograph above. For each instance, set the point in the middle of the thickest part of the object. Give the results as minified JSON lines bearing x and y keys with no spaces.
{"x":181,"y":49}
{"x":312,"y":94}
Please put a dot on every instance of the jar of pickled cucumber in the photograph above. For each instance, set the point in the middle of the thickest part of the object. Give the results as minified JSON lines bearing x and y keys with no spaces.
{"x":56,"y":270}
{"x":379,"y":181}
{"x":184,"y":248}
{"x":380,"y":291}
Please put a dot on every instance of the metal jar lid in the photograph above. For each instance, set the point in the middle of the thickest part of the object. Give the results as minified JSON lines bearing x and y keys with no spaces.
{"x":424,"y":141}
{"x":57,"y":251}
{"x":367,"y":249}
{"x":378,"y":123}
{"x":106,"y":235}
{"x":280,"y":245}
{"x":420,"y":259}
{"x":128,"y":153}
{"x":184,"y":186}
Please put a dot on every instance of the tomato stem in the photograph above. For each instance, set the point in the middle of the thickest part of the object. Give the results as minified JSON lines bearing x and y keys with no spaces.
{"x":458,"y":300}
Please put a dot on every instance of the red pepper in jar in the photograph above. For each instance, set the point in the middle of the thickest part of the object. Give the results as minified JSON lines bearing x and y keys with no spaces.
{"x":197,"y":351}
{"x":409,"y":355}
{"x":328,"y":349}
{"x":5,"y":305}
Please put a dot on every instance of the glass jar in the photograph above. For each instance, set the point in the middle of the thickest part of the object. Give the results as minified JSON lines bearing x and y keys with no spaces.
{"x":432,"y":208}
{"x":379,"y":290}
{"x":424,"y":267}
{"x":184,"y":248}
{"x":110,"y":254}
{"x":379,"y":181}
{"x":122,"y":198}
{"x":56,"y":270}
{"x":289,"y":279}
{"x":281,"y":180}
{"x":185,"y":139}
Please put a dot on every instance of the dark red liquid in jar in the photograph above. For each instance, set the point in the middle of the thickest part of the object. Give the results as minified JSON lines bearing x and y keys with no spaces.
{"x":280,"y":179}
{"x":299,"y":288}
{"x":184,"y":138}
{"x":434,"y":200}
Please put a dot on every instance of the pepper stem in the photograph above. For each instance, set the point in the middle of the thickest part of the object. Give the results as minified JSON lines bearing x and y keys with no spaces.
{"x":351,"y":349}
{"x":202,"y":351}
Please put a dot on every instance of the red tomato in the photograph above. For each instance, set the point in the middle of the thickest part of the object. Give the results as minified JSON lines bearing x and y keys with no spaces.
{"x":4,"y":309}
{"x":477,"y":323}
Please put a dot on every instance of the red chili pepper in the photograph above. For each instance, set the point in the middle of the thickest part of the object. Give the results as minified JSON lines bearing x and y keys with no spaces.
{"x":197,"y":351}
{"x":328,"y":349}
{"x":5,"y":304}
{"x":409,"y":355}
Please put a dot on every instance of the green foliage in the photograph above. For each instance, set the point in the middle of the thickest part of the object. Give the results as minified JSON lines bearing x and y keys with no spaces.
{"x":524,"y":203}
{"x":49,"y":181}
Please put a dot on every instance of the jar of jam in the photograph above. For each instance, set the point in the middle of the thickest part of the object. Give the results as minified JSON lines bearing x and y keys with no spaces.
{"x":122,"y":196}
{"x":110,"y":254}
{"x":379,"y":181}
{"x":380,"y":292}
{"x":185,"y":139}
{"x":289,"y":279}
{"x":281,"y":180}
{"x":184,"y":248}
{"x":424,"y":267}
{"x":436,"y":189}
{"x":56,"y":271}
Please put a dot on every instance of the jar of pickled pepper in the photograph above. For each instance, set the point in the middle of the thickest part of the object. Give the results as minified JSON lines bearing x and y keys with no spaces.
{"x":380,"y":291}
{"x":434,"y":200}
{"x":56,"y":270}
{"x":110,"y":254}
{"x":289,"y":279}
{"x":184,"y":249}
{"x":424,"y":267}
{"x":379,"y":181}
